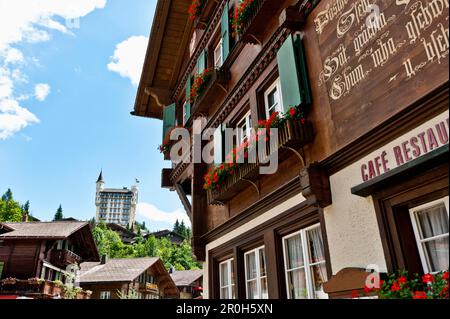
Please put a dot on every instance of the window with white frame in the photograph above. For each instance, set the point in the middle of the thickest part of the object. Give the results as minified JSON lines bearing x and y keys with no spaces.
{"x":243,"y":128}
{"x":430,"y":224}
{"x":105,"y":295}
{"x":305,"y":265}
{"x":256,"y":274}
{"x":227,"y":284}
{"x":272,"y":99}
{"x":218,"y":57}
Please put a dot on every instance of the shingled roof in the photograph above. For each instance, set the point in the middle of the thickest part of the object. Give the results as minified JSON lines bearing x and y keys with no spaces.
{"x":186,"y":277}
{"x":43,"y":230}
{"x":115,"y":270}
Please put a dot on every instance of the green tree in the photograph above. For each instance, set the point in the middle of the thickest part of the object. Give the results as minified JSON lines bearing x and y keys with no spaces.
{"x":176,"y":227}
{"x":59,"y":214}
{"x":26,"y":208}
{"x":10,"y":210}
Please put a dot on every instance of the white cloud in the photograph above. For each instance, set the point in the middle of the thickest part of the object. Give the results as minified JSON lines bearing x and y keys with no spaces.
{"x":30,"y":21}
{"x":41,"y":91}
{"x":128,"y":58}
{"x":154,"y":214}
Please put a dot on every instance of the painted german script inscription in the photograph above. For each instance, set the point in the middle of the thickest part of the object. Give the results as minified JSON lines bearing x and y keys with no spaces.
{"x":385,"y":53}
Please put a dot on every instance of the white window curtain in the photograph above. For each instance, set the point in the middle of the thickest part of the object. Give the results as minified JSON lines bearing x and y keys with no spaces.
{"x":432,"y":230}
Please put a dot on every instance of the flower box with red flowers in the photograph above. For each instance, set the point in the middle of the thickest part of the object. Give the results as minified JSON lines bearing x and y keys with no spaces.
{"x":225,"y":181}
{"x":200,"y":12}
{"x":403,"y":286}
{"x":208,"y":86}
{"x":250,"y":18}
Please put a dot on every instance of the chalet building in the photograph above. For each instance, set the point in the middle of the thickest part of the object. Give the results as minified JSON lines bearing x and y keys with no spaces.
{"x":169,"y":235}
{"x":115,"y":278}
{"x":359,"y":93}
{"x":127,"y":236}
{"x":45,"y":251}
{"x":189,"y":283}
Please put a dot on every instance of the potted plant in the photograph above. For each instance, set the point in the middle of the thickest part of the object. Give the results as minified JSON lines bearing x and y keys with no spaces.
{"x":68,"y":292}
{"x":200,"y":83}
{"x":48,"y":288}
{"x":79,"y":293}
{"x":9,"y":281}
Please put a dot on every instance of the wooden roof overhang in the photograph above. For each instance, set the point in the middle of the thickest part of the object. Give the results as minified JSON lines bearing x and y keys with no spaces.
{"x":170,"y":36}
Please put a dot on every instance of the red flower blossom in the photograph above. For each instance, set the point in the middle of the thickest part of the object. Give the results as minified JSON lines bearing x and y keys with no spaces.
{"x":368,"y":290}
{"x":445,"y":275}
{"x":428,"y":278}
{"x":292,"y":111}
{"x":402,"y":280}
{"x":355,"y":294}
{"x":420,"y":295}
{"x":395,"y":287}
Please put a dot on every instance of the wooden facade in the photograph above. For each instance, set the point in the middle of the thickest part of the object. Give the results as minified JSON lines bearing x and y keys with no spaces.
{"x":368,"y":74}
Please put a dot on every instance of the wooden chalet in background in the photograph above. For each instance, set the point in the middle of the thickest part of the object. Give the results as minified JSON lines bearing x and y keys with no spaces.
{"x":169,"y":235}
{"x":363,"y":167}
{"x":44,"y":251}
{"x":189,"y":283}
{"x":111,"y":279}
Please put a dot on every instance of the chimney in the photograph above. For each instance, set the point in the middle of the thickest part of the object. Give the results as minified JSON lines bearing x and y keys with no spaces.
{"x":171,"y":270}
{"x":25,"y":218}
{"x":104,"y":259}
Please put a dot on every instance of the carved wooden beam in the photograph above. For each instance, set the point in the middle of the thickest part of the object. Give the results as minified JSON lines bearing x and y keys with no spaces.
{"x":315,"y":184}
{"x":291,"y":18}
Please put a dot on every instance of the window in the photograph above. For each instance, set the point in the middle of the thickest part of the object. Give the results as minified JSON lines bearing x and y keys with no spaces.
{"x":226,"y":273}
{"x":244,"y":128}
{"x":430,"y":224}
{"x":218,"y":57}
{"x":105,"y":295}
{"x":305,"y":265}
{"x":255,"y":274}
{"x":272,"y":99}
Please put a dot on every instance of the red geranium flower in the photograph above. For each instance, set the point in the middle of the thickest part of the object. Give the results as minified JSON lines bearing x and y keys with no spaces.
{"x":445,"y":275}
{"x":355,"y":294}
{"x":428,"y":278}
{"x":402,"y":280}
{"x":395,"y":287}
{"x":367,"y":290}
{"x":292,"y":111}
{"x":420,"y":295}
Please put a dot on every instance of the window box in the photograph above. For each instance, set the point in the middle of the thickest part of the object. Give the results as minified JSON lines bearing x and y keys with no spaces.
{"x":214,"y":83}
{"x":203,"y":14}
{"x":250,"y":19}
{"x":292,"y":133}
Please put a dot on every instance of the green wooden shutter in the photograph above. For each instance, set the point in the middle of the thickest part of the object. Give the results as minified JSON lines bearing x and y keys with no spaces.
{"x":225,"y":27}
{"x":2,"y":265}
{"x":169,"y":119}
{"x":188,"y":98}
{"x":201,"y":62}
{"x":293,"y":74}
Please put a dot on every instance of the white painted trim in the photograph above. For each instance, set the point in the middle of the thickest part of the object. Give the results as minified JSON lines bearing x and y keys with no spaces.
{"x":419,"y":241}
{"x":258,"y":270}
{"x":276,"y":84}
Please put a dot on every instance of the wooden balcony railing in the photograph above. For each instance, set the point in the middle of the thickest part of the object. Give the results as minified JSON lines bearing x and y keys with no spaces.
{"x":148,"y":288}
{"x":256,"y":24}
{"x":64,"y":258}
{"x":216,"y":86}
{"x":291,"y":134}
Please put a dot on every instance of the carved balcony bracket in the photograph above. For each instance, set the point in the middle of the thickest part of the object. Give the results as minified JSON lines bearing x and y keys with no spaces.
{"x":255,"y":185}
{"x":297,"y":153}
{"x":291,"y":18}
{"x":315,"y":184}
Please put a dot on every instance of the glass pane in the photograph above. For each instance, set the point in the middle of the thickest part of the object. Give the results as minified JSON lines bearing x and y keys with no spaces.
{"x":233,"y":292}
{"x":252,"y":290}
{"x":272,"y":98}
{"x":432,"y":221}
{"x":437,"y":254}
{"x":224,"y":275}
{"x":316,"y":252}
{"x":224,"y":293}
{"x":262,"y":263}
{"x":294,"y":258}
{"x":251,"y":266}
{"x":319,"y":276}
{"x":232,"y":272}
{"x":297,"y":284}
{"x":264,"y":289}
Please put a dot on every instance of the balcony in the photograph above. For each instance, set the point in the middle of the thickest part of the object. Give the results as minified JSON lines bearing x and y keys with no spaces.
{"x":202,"y":21}
{"x":256,"y":23}
{"x":41,"y":289}
{"x":148,"y":288}
{"x":216,"y":84}
{"x":291,"y":135}
{"x":64,"y":258}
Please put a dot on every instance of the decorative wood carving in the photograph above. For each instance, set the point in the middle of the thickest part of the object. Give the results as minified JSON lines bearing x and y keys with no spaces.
{"x":315,"y":184}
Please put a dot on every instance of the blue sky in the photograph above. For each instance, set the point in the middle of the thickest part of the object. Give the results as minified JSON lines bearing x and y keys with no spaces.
{"x":82,"y":120}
